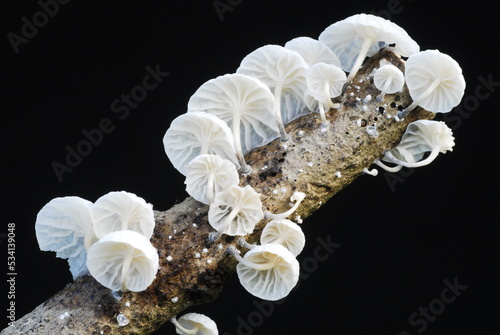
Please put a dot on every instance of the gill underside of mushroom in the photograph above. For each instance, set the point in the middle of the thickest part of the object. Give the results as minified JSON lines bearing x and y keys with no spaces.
{"x":309,"y":162}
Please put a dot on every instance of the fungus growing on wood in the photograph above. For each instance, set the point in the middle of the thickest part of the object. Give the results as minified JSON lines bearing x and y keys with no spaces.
{"x":198,"y":133}
{"x":362,"y":35}
{"x":267,"y":271}
{"x":209,"y":174}
{"x":388,"y":79}
{"x":245,"y":104}
{"x":124,"y":261}
{"x":313,"y":51}
{"x":296,"y":197}
{"x":284,"y":232}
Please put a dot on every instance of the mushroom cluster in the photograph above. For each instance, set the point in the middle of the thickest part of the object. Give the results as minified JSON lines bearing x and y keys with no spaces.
{"x":108,"y":239}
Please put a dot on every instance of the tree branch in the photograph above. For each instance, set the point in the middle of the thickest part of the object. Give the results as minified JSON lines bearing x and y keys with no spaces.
{"x":193,"y":271}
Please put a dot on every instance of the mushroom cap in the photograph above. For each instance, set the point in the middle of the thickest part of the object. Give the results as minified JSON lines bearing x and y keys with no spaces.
{"x":249,"y":210}
{"x":423,"y":136}
{"x":206,"y":325}
{"x":123,"y":260}
{"x":122,"y":211}
{"x":64,"y":226}
{"x":390,"y":76}
{"x":204,"y":168}
{"x":278,"y":67}
{"x":243,"y":99}
{"x":286,"y":233}
{"x":190,"y":134}
{"x":431,"y":67}
{"x":313,"y":51}
{"x":346,"y":37}
{"x":274,"y":283}
{"x":322,"y":74}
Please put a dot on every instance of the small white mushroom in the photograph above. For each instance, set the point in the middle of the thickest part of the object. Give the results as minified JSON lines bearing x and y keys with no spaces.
{"x":362,"y":35}
{"x":195,"y":324}
{"x":313,"y":51}
{"x":421,"y":137}
{"x":245,"y":104}
{"x":267,"y":271}
{"x":435,"y":82}
{"x":198,"y":133}
{"x":388,"y":79}
{"x":64,"y":226}
{"x":324,"y":82}
{"x":123,"y":260}
{"x":283,"y":71}
{"x":296,"y":197}
{"x":235,"y":211}
{"x":286,"y":233}
{"x":122,"y":211}
{"x":209,"y":174}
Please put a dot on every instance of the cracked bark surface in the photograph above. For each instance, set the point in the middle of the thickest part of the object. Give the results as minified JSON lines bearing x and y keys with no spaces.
{"x":192,"y":270}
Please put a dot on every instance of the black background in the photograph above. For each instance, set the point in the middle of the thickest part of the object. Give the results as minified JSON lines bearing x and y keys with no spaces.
{"x":399,"y":243}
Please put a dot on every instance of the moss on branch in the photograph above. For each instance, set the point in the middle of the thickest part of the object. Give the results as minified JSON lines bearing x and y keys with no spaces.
{"x":317,"y":161}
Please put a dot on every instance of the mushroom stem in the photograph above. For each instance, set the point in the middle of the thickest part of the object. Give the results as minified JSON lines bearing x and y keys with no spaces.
{"x":243,"y":243}
{"x":434,"y":153}
{"x":297,"y":197}
{"x":127,"y":260}
{"x":257,"y":266}
{"x":214,"y":236}
{"x":277,"y":112}
{"x":372,"y":172}
{"x":388,"y":168}
{"x":244,"y":167}
{"x":384,"y":89}
{"x":210,"y":188}
{"x":367,"y":42}
{"x":184,"y":330}
{"x":424,"y":95}
{"x":324,"y":122}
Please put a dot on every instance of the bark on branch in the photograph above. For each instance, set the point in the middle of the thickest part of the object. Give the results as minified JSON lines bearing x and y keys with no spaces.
{"x":318,"y":163}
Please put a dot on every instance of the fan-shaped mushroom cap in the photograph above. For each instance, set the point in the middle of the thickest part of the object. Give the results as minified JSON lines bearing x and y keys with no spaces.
{"x":267,"y":271}
{"x":123,"y":261}
{"x":195,"y":324}
{"x":198,"y":133}
{"x":286,"y":233}
{"x":313,"y":51}
{"x":245,"y":104}
{"x":122,"y":211}
{"x":283,"y":71}
{"x":235,"y":211}
{"x":209,"y":174}
{"x":324,"y":82}
{"x":362,"y":35}
{"x":435,"y":81}
{"x":421,"y":136}
{"x":388,"y":79}
{"x":64,"y":226}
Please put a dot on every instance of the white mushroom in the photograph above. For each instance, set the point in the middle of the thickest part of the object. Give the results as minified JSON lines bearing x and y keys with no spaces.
{"x":198,"y":133}
{"x":123,"y":261}
{"x":296,"y":197}
{"x":195,"y":324}
{"x":235,"y":211}
{"x":245,"y":104}
{"x":64,"y":226}
{"x":421,"y":137}
{"x":283,"y":71}
{"x":435,"y":82}
{"x":388,"y":79}
{"x":286,"y":233}
{"x":324,"y":82}
{"x":313,"y":51}
{"x":362,"y":35}
{"x":267,"y":271}
{"x":122,"y":211}
{"x":209,"y":174}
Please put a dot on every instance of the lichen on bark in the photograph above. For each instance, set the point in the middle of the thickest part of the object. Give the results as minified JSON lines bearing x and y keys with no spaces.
{"x":317,"y":161}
